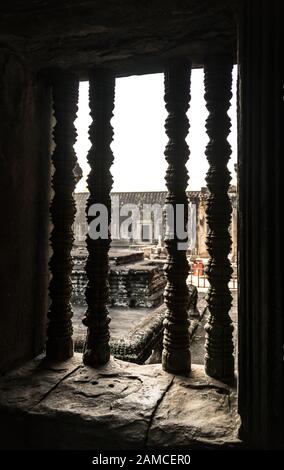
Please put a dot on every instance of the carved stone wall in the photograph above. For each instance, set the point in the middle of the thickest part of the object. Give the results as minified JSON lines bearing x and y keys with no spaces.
{"x":132,"y":282}
{"x":197,"y":219}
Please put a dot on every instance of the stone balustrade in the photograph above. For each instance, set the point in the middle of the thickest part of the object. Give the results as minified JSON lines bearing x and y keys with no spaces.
{"x":142,"y":284}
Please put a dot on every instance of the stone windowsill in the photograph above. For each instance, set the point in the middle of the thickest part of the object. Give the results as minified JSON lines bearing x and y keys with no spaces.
{"x":118,"y":406}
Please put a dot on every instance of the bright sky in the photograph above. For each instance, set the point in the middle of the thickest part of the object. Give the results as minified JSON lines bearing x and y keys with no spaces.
{"x":139,"y":135}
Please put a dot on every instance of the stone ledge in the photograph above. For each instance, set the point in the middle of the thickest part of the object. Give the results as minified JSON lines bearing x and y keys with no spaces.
{"x":118,"y":406}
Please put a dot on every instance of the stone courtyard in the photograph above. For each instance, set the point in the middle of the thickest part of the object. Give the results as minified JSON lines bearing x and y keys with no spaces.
{"x":125,"y":320}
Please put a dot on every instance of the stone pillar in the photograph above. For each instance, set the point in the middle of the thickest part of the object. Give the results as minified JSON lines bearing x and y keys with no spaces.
{"x":219,"y":360}
{"x":100,"y":158}
{"x":176,"y":353}
{"x":201,"y":224}
{"x":59,"y":331}
{"x":260,"y":240}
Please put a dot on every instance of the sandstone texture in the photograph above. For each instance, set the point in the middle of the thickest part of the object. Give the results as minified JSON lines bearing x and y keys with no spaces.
{"x":118,"y":406}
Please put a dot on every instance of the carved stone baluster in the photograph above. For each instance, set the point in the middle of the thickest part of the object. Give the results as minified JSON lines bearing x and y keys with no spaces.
{"x":176,"y":352}
{"x":219,"y":360}
{"x":100,"y":157}
{"x":59,"y":331}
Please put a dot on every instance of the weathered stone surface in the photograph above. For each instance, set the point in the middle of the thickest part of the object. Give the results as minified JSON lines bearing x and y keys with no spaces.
{"x":142,"y":340}
{"x":137,"y":285}
{"x":26,"y":386}
{"x":65,"y":89}
{"x":118,"y":33}
{"x":118,"y":406}
{"x":123,"y":320}
{"x":24,"y":196}
{"x":219,"y":356}
{"x":132,"y":281}
{"x":136,"y":333}
{"x":196,"y":411}
{"x":109,"y":407}
{"x":176,"y":356}
{"x":197,"y":227}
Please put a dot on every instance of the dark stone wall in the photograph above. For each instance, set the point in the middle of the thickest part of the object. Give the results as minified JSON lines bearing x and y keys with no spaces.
{"x":261,"y":322}
{"x":76,"y":33}
{"x":24,"y":195}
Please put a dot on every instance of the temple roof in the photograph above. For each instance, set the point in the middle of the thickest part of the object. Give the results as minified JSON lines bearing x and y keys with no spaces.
{"x":139,"y":197}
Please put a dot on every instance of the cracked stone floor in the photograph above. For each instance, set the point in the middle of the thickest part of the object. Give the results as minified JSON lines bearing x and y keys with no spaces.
{"x":118,"y":406}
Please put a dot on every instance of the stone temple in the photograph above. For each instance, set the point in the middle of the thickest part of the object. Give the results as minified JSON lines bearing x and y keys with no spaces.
{"x":137,"y":282}
{"x":136,"y":271}
{"x":112,"y":394}
{"x":136,"y":276}
{"x":197,"y":225}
